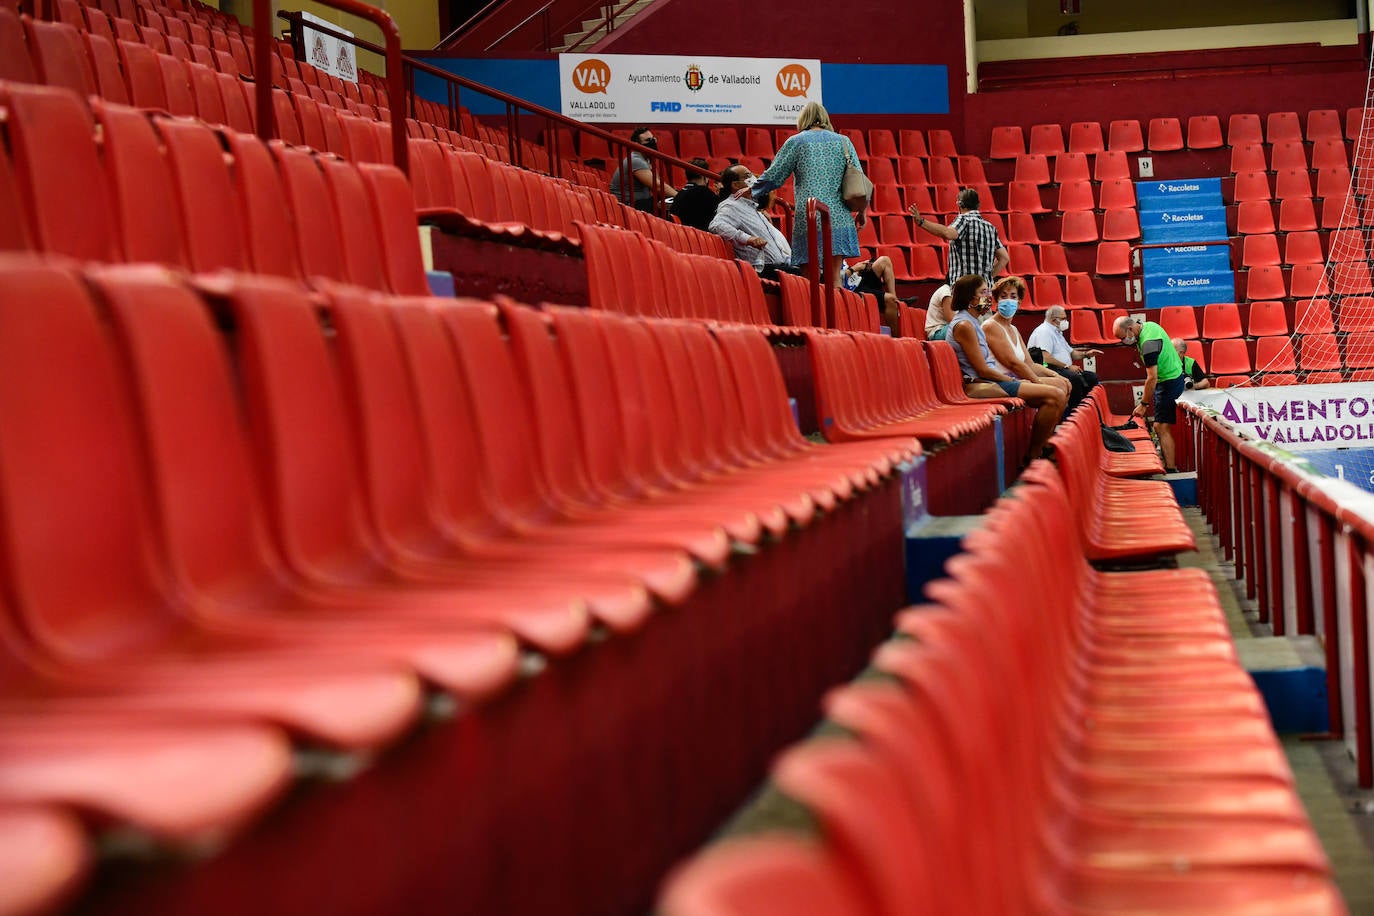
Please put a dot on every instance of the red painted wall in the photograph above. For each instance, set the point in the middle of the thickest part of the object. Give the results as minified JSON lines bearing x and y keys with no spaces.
{"x":860,"y":32}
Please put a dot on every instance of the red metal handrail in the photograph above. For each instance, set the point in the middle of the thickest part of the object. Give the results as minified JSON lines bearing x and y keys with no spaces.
{"x":548,"y":36}
{"x":395,"y":83}
{"x":409,"y":66}
{"x":819,"y":260}
{"x":1134,"y":248}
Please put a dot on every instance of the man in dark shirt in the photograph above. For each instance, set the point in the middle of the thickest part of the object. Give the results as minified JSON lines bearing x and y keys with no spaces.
{"x":695,"y":204}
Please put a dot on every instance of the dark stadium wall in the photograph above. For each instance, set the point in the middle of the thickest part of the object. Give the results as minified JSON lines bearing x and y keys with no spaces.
{"x":864,"y":32}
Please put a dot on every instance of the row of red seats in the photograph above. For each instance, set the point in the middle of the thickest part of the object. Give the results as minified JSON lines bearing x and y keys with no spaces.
{"x":162,"y":190}
{"x":1296,"y":214}
{"x":412,"y":493}
{"x":1287,"y":184}
{"x":1177,"y":799}
{"x":1035,"y":168}
{"x":634,"y":274}
{"x":1166,"y":134}
{"x":762,"y":143}
{"x":805,"y":305}
{"x":1289,"y":154}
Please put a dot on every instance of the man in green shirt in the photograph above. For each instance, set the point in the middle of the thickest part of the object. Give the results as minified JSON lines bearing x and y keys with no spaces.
{"x":1163,"y":378}
{"x":1193,"y":376}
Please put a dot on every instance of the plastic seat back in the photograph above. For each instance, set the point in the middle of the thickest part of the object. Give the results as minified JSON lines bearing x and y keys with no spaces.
{"x":359,"y":244}
{"x":58,"y":173}
{"x":145,"y":200}
{"x":59,"y":56}
{"x":269,"y":236}
{"x":64,"y":399}
{"x":210,"y":223}
{"x":1267,"y":319}
{"x":1274,"y":354}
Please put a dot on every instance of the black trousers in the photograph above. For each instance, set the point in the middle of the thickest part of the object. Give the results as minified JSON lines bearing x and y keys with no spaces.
{"x":1081,"y":383}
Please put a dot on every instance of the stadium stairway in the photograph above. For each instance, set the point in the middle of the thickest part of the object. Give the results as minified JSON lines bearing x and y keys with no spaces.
{"x":1185,"y":210}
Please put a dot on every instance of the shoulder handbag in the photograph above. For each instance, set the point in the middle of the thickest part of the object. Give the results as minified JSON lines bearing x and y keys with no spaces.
{"x":855,"y":188}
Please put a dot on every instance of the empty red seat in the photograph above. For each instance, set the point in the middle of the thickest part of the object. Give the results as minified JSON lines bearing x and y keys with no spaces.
{"x":1085,"y":329}
{"x":1007,"y":143}
{"x":1357,"y":352}
{"x":1220,"y":320}
{"x":1113,"y":259}
{"x":1247,"y":157}
{"x":1260,"y":251}
{"x":1111,"y":165}
{"x":1074,"y":195}
{"x":1021,"y":228}
{"x":1046,"y":291}
{"x":912,"y":143}
{"x":1165,"y":134}
{"x":1302,"y":248}
{"x":725,"y":143}
{"x":1204,"y":132}
{"x":1070,"y":167}
{"x":1125,"y":136}
{"x":1251,"y":185}
{"x":1267,"y":319}
{"x":1265,"y":283}
{"x":1254,"y":217}
{"x":1230,"y":357}
{"x":1120,"y":224}
{"x":1323,"y":124}
{"x":1085,"y":137}
{"x":1053,"y":259}
{"x":758,"y":141}
{"x":1024,"y":197}
{"x":1296,"y":214}
{"x":1274,"y":354}
{"x":881,"y":143}
{"x":1079,"y":227}
{"x":1281,"y":126}
{"x":1313,"y":316}
{"x":1355,"y":313}
{"x":1032,"y":167}
{"x":1179,"y":321}
{"x":1079,"y":292}
{"x":1317,"y":352}
{"x":1243,"y":129}
{"x":1291,"y":183}
{"x":1046,"y":139}
{"x":941,"y":143}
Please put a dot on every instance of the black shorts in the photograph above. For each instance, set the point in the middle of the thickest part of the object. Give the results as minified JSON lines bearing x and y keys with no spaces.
{"x":869,"y":283}
{"x":1166,"y":400}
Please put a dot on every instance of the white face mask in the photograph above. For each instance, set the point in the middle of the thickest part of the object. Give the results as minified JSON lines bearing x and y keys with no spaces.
{"x":1062,"y":324}
{"x":1128,"y":340}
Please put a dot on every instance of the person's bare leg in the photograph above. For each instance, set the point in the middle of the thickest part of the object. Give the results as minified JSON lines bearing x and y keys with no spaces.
{"x":884,"y":271}
{"x":1049,"y":402}
{"x":892,"y":314}
{"x":1165,"y":432}
{"x":836,"y":263}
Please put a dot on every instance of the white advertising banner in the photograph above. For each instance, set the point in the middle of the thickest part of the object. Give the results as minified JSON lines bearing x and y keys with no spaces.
{"x":1297,"y":417}
{"x":658,"y":89}
{"x":327,"y":53}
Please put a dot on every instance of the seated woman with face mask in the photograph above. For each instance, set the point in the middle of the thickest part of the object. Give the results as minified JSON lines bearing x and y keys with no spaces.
{"x":1004,"y":339}
{"x":971,"y":302}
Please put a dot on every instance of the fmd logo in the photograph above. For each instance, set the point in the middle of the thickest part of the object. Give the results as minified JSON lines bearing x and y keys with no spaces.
{"x":665,"y":106}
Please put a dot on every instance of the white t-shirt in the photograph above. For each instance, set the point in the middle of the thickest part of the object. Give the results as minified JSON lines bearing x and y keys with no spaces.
{"x":1050,"y":339}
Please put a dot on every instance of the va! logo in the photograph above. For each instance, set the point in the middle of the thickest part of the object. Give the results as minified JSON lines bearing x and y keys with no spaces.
{"x":592,"y":75}
{"x":665,"y":106}
{"x":794,"y":81}
{"x":694,"y":78}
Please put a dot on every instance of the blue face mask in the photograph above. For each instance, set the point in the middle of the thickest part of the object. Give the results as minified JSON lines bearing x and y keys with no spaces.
{"x":1007,"y":307}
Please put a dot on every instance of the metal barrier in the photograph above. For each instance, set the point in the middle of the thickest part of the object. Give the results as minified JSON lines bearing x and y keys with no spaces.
{"x":1305,"y":558}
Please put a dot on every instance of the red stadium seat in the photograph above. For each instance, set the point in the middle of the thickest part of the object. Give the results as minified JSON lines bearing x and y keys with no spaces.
{"x":1274,"y":354}
{"x":1121,"y":224}
{"x":1069,"y":167}
{"x":1247,"y":157}
{"x":1323,"y":124}
{"x":1033,"y":168}
{"x":1124,"y":136}
{"x":1252,"y":185}
{"x":1179,"y":321}
{"x":1111,"y":165}
{"x":1230,"y":357}
{"x":1260,"y":251}
{"x":1318,"y":352}
{"x":1007,"y":143}
{"x":1265,"y":283}
{"x":1296,"y":214}
{"x":1313,"y":316}
{"x":1243,"y":129}
{"x":1079,"y":227}
{"x":1046,"y":139}
{"x":1290,"y":154}
{"x":1291,"y":183}
{"x":1165,"y":135}
{"x":1086,"y":137}
{"x":1073,"y":195}
{"x":1254,"y":217}
{"x":1204,"y":132}
{"x":1282,"y":126}
{"x":1220,"y":320}
{"x":1302,"y":248}
{"x":1267,"y":319}
{"x":1355,"y":313}
{"x":1113,"y":259}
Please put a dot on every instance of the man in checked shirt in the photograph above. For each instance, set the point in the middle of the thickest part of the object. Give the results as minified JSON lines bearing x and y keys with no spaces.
{"x":973,"y":244}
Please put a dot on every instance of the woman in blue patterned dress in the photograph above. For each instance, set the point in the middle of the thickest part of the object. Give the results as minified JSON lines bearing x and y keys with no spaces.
{"x":817,"y":156}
